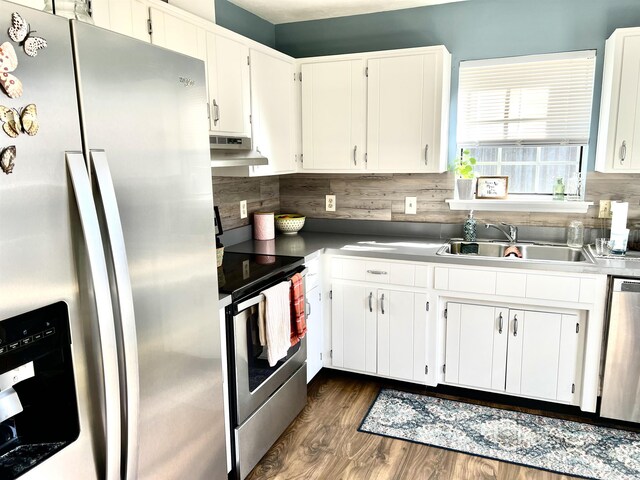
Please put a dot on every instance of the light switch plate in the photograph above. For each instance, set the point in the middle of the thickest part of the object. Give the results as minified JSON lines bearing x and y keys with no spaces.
{"x":330,"y":201}
{"x":243,"y":209}
{"x":410,"y":207}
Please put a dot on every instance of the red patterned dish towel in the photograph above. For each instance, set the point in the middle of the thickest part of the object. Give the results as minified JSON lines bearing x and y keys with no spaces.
{"x":298,"y":320}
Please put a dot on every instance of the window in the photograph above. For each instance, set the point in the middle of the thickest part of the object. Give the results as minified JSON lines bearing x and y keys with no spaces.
{"x":527,"y":117}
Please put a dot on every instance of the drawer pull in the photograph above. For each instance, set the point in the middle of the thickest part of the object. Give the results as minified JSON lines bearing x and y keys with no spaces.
{"x":377,"y":272}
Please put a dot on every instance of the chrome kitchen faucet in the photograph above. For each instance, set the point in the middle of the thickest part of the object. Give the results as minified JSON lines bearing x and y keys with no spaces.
{"x":512,"y":234}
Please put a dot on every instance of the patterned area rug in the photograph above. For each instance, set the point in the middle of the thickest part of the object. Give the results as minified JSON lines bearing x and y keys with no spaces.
{"x":560,"y":446}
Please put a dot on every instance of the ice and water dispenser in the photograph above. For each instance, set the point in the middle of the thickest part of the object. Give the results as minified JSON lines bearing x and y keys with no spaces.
{"x":38,"y":407}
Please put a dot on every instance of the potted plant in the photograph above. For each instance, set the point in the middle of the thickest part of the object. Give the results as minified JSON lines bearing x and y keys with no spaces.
{"x":463,"y":168}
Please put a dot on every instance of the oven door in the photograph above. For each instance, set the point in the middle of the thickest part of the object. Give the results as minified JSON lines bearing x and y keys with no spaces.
{"x":255,"y":380}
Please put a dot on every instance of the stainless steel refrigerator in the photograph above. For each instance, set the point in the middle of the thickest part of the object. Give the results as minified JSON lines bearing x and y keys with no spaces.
{"x":106,"y":227}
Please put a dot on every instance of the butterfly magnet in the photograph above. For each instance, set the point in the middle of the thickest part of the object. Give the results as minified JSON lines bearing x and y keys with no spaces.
{"x":7,"y":158}
{"x":20,"y":32}
{"x":14,"y":122}
{"x":8,"y":63}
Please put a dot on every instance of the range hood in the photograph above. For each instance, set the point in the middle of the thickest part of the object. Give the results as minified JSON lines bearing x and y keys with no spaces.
{"x":234,"y":152}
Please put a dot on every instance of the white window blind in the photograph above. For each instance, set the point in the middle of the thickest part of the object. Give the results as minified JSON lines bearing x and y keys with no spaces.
{"x":532,"y":100}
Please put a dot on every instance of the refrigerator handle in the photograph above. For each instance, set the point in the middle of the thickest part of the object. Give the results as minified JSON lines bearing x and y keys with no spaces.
{"x":124,"y":295}
{"x":106,"y":328}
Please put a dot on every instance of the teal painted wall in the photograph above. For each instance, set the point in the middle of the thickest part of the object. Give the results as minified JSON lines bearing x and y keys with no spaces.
{"x":245,"y":23}
{"x":472,"y":29}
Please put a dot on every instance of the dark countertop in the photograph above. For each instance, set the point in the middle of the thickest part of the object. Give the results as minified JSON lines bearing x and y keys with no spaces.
{"x":310,"y":245}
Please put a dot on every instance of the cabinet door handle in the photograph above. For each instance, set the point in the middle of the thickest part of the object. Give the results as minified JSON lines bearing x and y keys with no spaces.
{"x":426,"y":154}
{"x":500,"y":323}
{"x":515,"y":325}
{"x":355,"y":150}
{"x":371,"y":301}
{"x":216,"y":112}
{"x":377,"y":272}
{"x":623,"y":151}
{"x":307,"y":309}
{"x":382,"y":304}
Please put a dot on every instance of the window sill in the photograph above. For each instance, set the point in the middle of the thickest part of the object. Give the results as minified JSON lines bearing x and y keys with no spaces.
{"x":520,"y":203}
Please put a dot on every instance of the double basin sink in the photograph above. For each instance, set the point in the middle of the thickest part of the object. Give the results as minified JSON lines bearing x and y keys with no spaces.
{"x":517,"y":251}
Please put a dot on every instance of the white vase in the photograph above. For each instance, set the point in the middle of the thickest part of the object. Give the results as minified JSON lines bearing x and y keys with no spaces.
{"x":464,"y":188}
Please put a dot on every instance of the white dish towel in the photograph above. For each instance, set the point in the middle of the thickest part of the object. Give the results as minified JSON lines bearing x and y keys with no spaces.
{"x":277,"y":321}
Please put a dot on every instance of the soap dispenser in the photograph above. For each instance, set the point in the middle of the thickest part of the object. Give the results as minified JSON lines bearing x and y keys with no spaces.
{"x":469,"y":229}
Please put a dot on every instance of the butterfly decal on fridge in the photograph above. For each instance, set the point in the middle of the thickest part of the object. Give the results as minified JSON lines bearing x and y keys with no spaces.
{"x":8,"y":63}
{"x":20,"y":32}
{"x":7,"y":157}
{"x":15,"y":122}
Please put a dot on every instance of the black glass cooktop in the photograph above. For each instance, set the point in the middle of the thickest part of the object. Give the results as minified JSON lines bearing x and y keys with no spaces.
{"x":243,"y":273}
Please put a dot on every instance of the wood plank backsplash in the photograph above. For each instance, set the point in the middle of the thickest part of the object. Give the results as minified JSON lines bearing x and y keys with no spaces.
{"x":381,"y":197}
{"x":262,"y":195}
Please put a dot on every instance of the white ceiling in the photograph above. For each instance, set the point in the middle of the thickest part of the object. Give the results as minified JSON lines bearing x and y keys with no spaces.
{"x":285,"y":11}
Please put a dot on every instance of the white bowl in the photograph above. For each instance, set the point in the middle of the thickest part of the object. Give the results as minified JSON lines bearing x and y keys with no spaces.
{"x":289,"y":223}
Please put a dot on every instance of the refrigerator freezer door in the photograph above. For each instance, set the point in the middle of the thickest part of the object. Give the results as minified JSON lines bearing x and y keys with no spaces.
{"x":41,"y":245}
{"x":146,"y":108}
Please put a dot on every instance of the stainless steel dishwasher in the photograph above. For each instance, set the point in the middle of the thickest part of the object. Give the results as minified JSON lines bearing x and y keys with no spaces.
{"x":621,"y":386}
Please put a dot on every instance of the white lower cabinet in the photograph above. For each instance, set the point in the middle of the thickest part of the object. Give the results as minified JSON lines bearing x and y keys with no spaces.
{"x":379,"y":331}
{"x":315,"y":331}
{"x":523,"y":352}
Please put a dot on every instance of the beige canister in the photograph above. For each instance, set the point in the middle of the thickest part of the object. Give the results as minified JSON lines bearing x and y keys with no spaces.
{"x":263,"y":226}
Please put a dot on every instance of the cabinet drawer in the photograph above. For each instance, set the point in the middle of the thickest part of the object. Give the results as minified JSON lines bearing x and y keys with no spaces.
{"x":377,"y":272}
{"x":313,"y":275}
{"x":372,"y":271}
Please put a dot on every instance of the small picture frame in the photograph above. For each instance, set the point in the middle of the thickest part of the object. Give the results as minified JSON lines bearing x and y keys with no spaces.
{"x":492,"y":187}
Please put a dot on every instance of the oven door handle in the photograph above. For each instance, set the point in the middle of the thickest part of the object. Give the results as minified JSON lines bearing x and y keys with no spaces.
{"x":250,"y":303}
{"x":260,"y":297}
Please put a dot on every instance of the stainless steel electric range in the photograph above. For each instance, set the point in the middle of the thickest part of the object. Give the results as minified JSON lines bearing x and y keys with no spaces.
{"x":264,"y":400}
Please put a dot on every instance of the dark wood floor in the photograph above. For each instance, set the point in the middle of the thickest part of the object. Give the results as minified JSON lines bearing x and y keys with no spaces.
{"x":323,"y":443}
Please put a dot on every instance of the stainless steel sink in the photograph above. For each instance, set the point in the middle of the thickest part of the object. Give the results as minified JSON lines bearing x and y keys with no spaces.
{"x":521,"y":251}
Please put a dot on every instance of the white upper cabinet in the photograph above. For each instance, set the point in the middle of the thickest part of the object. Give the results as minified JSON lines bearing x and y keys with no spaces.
{"x":333,"y":115}
{"x":618,"y":147}
{"x":177,"y":34}
{"x":227,"y":65}
{"x":128,"y":17}
{"x":273,"y":86}
{"x":37,"y":4}
{"x":228,"y":77}
{"x":407,"y":112}
{"x":404,"y":113}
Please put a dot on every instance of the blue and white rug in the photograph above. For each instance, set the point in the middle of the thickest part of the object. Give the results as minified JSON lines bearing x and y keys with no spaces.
{"x":561,"y":446}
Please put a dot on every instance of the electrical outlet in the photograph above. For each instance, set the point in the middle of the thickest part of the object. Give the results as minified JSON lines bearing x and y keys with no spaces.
{"x":330,"y":202}
{"x":243,"y":209}
{"x":605,"y":209}
{"x":246,"y":271}
{"x":410,"y":206}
